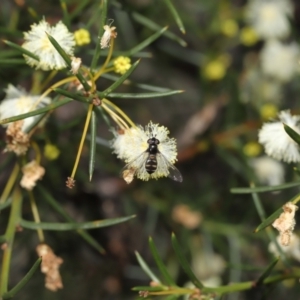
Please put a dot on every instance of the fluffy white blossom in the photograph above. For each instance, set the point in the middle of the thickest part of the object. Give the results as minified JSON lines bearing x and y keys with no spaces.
{"x":17,"y":102}
{"x":132,"y":144}
{"x":270,"y":18}
{"x":277,"y":142}
{"x":268,"y":170}
{"x":37,"y":42}
{"x":280,"y":61}
{"x":292,"y":250}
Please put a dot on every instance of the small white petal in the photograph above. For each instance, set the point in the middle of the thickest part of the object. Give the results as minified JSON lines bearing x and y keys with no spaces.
{"x":277,"y":142}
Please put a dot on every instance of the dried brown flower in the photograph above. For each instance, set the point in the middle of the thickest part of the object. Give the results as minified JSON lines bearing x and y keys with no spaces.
{"x":50,"y":267}
{"x":286,"y":222}
{"x":184,"y":215}
{"x":16,"y":140}
{"x":70,"y":183}
{"x":32,"y":172}
{"x":128,"y":175}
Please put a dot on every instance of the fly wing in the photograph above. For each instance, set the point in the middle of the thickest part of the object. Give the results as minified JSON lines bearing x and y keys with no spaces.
{"x":165,"y":165}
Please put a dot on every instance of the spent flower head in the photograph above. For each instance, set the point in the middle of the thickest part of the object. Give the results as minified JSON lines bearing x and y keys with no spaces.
{"x":32,"y":172}
{"x":37,"y":42}
{"x":285,"y":223}
{"x":50,"y":267}
{"x":17,"y":141}
{"x":132,"y":145}
{"x":109,"y":33}
{"x":277,"y":143}
{"x":75,"y":65}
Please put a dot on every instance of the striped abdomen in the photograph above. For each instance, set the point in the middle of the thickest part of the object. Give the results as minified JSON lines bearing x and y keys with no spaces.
{"x":151,"y":163}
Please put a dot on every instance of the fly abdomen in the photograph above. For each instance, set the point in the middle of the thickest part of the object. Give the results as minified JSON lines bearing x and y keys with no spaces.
{"x":151,"y":163}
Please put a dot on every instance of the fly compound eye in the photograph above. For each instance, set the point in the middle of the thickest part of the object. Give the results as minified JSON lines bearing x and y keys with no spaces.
{"x":157,"y":141}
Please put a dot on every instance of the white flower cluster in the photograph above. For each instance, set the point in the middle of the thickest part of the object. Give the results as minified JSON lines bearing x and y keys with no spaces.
{"x":277,"y":143}
{"x":17,"y":102}
{"x":37,"y":42}
{"x":270,"y":18}
{"x":279,"y":61}
{"x":268,"y":170}
{"x":271,"y":22}
{"x":131,"y":145}
{"x":292,"y":250}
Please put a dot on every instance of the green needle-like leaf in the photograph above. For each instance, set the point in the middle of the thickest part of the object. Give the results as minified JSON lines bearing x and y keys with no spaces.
{"x":119,"y":81}
{"x":60,"y":50}
{"x":21,"y":49}
{"x":66,"y":18}
{"x":97,"y":50}
{"x":67,"y":59}
{"x":183,"y":262}
{"x":146,"y":42}
{"x":146,"y":268}
{"x":93,"y":136}
{"x":39,"y":111}
{"x":24,"y":280}
{"x":73,"y":96}
{"x":79,"y":8}
{"x":149,"y":288}
{"x":152,"y":25}
{"x":73,"y":226}
{"x":160,"y":264}
{"x":267,"y":272}
{"x":175,"y":15}
{"x":7,"y":203}
{"x":55,"y":205}
{"x":144,"y":95}
{"x":264,"y":189}
{"x":269,"y":220}
{"x":292,"y":133}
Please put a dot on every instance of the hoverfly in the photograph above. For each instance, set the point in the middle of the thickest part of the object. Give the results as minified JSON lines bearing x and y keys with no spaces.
{"x":150,"y":161}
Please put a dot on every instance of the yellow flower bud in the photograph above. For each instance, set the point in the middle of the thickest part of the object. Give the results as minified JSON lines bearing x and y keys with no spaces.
{"x":248,"y":36}
{"x":268,"y":111}
{"x":122,"y":64}
{"x":215,"y":70}
{"x":229,"y":27}
{"x":51,"y":152}
{"x":82,"y":37}
{"x":252,"y":149}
